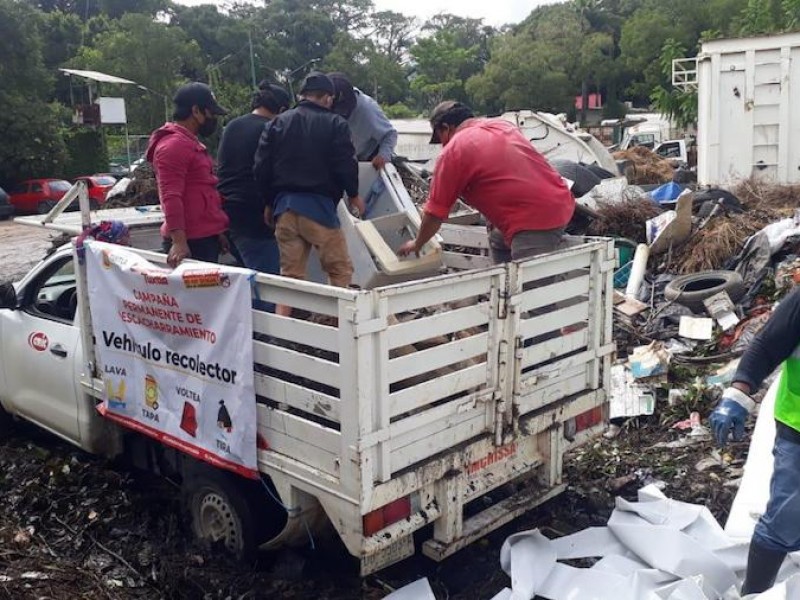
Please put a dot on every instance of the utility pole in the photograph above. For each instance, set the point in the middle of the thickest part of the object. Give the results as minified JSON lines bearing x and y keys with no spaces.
{"x":252,"y":59}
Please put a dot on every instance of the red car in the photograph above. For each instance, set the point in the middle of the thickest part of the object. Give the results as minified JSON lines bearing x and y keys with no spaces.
{"x":38,"y":195}
{"x":98,"y":185}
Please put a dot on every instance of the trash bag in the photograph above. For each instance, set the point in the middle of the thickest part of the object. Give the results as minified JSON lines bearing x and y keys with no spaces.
{"x":584,"y":180}
{"x":753,"y":264}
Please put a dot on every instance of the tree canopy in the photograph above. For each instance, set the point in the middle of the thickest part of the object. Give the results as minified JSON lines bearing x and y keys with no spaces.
{"x":618,"y":48}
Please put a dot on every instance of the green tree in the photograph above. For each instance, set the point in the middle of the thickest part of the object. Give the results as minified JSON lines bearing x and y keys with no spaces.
{"x":152,"y":54}
{"x":392,"y":33}
{"x":680,"y":105}
{"x":31,"y":145}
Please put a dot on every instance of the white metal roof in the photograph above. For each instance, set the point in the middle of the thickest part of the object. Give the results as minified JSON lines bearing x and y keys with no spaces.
{"x":97,"y":76}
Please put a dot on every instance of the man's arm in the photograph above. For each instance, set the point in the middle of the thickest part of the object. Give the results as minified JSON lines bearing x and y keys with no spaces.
{"x":773,"y":345}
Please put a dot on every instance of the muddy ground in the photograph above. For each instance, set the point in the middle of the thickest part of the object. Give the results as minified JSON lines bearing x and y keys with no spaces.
{"x":74,"y":527}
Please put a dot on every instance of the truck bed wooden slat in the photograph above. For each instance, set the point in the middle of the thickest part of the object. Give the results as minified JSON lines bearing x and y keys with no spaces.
{"x":417,"y":396}
{"x":442,"y":323}
{"x":297,"y":363}
{"x":297,"y":396}
{"x":554,"y":348}
{"x":553,"y":321}
{"x":424,"y":361}
{"x":295,"y":330}
{"x":555,"y":292}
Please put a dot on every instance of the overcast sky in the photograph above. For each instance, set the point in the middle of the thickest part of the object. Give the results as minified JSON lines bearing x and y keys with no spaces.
{"x":494,"y":12}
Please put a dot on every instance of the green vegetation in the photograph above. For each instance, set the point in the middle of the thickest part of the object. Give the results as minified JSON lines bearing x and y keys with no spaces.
{"x":619,"y":48}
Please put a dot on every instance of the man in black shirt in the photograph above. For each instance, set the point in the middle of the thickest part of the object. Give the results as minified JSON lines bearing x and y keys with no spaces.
{"x":252,"y":240}
{"x":304,"y":163}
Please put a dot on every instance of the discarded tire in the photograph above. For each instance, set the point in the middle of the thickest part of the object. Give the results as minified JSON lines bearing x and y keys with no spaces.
{"x":691,"y":290}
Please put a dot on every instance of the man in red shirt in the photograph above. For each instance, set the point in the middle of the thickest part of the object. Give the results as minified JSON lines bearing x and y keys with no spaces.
{"x":493,"y":168}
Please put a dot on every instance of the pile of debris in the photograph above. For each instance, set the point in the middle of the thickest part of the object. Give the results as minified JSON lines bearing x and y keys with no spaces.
{"x":643,"y":166}
{"x":139,"y":190}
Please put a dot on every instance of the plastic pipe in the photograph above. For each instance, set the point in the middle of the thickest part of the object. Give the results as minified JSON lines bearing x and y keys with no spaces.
{"x":637,"y":270}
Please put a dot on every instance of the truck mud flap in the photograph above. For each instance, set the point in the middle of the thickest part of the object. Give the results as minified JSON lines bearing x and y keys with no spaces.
{"x":490,"y":519}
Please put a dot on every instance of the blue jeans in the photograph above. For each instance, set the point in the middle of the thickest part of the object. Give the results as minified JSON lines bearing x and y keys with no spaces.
{"x":778,"y":528}
{"x":259,"y":253}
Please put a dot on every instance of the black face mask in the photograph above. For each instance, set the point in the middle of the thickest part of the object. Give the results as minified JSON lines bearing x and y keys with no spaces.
{"x":208,"y":127}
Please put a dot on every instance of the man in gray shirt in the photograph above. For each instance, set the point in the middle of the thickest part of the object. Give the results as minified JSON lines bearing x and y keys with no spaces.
{"x":373,"y":135}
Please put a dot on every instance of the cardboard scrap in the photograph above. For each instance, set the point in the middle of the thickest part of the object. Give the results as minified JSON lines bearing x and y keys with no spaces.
{"x":696,"y":328}
{"x":670,"y":229}
{"x":628,"y":398}
{"x":649,"y":361}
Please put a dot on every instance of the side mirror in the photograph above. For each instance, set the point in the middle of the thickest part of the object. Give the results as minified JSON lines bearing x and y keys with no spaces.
{"x":8,"y":296}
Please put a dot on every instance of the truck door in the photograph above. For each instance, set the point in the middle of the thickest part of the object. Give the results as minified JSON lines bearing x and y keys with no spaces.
{"x":39,"y":345}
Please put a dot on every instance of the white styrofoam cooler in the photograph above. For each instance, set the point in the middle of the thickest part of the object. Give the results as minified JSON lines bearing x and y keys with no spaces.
{"x":391,"y":219}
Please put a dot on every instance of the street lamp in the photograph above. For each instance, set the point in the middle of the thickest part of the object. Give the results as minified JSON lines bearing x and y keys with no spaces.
{"x":287,"y":73}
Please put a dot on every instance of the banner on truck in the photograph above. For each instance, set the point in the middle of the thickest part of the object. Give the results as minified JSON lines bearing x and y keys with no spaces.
{"x":175,"y":351}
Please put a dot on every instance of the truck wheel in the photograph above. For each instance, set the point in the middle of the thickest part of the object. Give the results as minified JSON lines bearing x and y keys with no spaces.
{"x":229,"y":511}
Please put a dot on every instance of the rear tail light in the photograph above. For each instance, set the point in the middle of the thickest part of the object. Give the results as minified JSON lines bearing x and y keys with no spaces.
{"x":583,"y":421}
{"x":389,"y":514}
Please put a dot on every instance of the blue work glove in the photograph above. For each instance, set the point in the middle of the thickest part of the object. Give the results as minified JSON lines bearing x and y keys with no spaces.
{"x":730,"y":413}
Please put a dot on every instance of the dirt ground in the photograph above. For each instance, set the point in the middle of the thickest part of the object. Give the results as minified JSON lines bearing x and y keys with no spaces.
{"x":73,"y":526}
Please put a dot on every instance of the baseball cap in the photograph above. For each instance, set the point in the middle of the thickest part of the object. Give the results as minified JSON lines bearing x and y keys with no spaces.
{"x":317,"y":82}
{"x":448,"y":112}
{"x":200,"y":95}
{"x":344,"y":100}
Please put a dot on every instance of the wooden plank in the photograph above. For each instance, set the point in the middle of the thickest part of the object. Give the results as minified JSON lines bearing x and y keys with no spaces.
{"x":311,"y":300}
{"x":297,"y":363}
{"x":571,"y":383}
{"x":424,"y":361}
{"x":544,"y":376}
{"x":442,"y":323}
{"x":555,"y":292}
{"x":306,"y":442}
{"x":558,"y":346}
{"x":469,"y":236}
{"x":441,"y":290}
{"x":465,"y":262}
{"x":297,"y":396}
{"x":312,"y":433}
{"x":423,"y":394}
{"x":296,"y":330}
{"x":553,"y":321}
{"x":439,"y":436}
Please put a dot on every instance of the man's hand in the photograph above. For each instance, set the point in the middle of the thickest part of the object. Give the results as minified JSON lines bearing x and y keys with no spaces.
{"x":730,"y":414}
{"x":357,"y":206}
{"x":268,"y":218}
{"x":378,"y":162}
{"x":224,"y":244}
{"x":177,"y":253}
{"x":408,"y":248}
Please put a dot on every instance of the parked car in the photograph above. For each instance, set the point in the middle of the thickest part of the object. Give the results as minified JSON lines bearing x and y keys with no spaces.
{"x":38,"y":195}
{"x":6,"y":210}
{"x":98,"y":186}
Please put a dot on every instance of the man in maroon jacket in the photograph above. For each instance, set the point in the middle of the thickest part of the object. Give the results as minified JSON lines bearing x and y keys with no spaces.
{"x":194,"y":222}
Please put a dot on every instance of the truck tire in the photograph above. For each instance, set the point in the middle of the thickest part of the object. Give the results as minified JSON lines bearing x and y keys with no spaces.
{"x":691,"y":290}
{"x":230,"y":512}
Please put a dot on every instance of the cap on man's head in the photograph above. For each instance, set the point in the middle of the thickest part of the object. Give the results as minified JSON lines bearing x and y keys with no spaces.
{"x":344,"y":100}
{"x":199,"y":95}
{"x":317,"y":82}
{"x":448,"y":112}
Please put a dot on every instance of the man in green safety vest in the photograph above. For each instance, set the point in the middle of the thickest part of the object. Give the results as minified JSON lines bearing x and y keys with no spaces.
{"x":777,"y":532}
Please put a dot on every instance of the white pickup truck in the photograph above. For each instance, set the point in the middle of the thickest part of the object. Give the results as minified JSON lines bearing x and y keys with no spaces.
{"x":408,"y":406}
